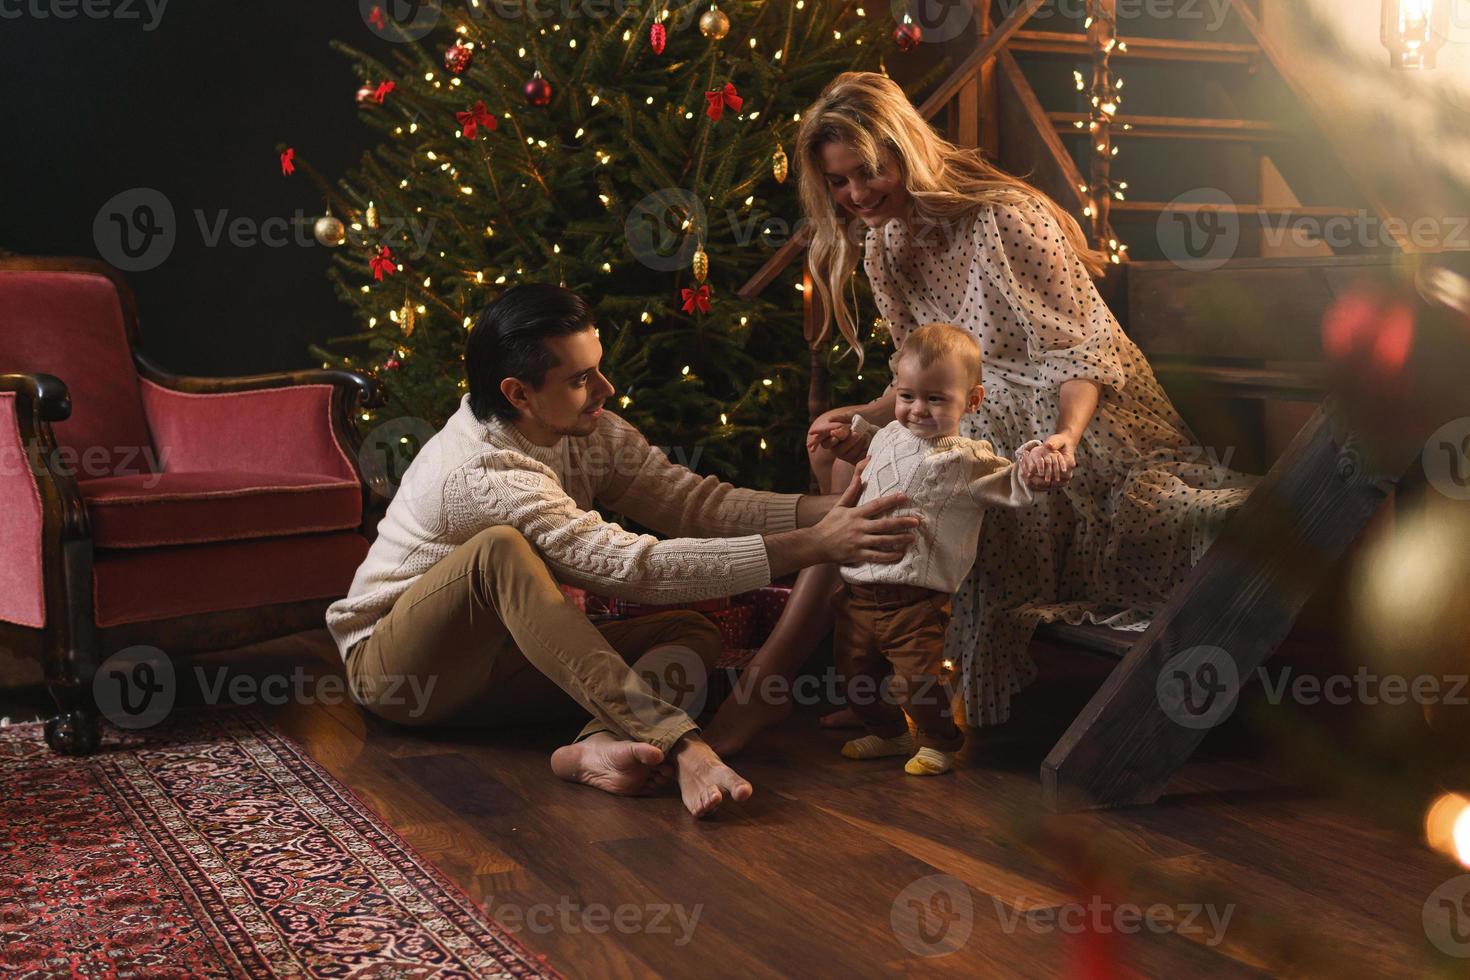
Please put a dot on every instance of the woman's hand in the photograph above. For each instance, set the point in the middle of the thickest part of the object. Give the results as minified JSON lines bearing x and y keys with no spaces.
{"x":832,"y":431}
{"x":1050,"y":464}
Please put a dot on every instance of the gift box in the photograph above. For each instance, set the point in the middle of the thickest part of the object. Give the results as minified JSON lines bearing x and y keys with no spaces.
{"x":629,"y":610}
{"x":767,"y":604}
{"x":594,"y":606}
{"x":736,"y":625}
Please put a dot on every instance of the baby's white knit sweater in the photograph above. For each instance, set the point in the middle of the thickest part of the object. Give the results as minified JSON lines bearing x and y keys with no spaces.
{"x":475,"y":475}
{"x":949,"y":481}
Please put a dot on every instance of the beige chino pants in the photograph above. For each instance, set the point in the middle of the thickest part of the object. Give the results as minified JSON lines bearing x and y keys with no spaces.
{"x":502,"y":646}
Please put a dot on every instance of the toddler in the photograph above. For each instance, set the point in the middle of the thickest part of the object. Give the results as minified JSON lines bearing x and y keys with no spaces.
{"x":896,"y":614}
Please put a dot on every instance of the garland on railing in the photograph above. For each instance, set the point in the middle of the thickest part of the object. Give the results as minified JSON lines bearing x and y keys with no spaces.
{"x":1104,"y":98}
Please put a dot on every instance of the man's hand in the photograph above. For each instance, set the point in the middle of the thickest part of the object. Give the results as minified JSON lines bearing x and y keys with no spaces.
{"x":854,"y":534}
{"x":848,"y":534}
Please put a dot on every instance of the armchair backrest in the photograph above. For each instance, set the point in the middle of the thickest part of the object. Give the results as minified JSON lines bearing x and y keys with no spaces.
{"x":74,"y":318}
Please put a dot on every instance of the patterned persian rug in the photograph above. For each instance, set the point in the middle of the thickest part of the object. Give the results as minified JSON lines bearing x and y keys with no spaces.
{"x":213,"y":847}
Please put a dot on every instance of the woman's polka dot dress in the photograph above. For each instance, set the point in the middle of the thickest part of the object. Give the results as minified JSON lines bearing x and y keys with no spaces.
{"x":1144,"y":503}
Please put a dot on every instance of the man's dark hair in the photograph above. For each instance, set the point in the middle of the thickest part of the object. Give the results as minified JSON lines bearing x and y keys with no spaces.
{"x":508,"y":341}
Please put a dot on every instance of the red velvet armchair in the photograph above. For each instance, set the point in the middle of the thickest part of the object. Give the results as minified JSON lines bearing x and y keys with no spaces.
{"x":139,"y":507}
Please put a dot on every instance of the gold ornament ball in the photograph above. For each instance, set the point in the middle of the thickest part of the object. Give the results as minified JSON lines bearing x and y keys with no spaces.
{"x":329,"y":231}
{"x":779,"y":164}
{"x":701,"y":264}
{"x":713,"y":24}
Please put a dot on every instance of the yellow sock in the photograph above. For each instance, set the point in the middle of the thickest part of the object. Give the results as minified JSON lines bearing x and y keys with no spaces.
{"x":873,"y":747}
{"x":929,"y":762}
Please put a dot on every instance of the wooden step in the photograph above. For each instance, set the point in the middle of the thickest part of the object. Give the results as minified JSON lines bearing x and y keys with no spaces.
{"x":1137,"y":48}
{"x":1175,"y":127}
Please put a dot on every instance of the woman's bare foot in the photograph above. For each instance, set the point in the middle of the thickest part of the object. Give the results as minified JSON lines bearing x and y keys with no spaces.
{"x":610,"y":764}
{"x":843,"y":718}
{"x":704,"y":781}
{"x":740,"y":719}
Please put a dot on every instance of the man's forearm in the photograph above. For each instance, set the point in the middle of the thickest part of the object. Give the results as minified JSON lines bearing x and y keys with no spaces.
{"x":791,"y":551}
{"x":812,"y":507}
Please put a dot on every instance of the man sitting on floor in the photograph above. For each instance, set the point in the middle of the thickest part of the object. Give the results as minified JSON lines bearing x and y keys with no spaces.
{"x":460,"y":590}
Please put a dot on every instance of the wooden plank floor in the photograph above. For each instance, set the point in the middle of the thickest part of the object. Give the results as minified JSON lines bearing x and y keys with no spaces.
{"x":826,"y":871}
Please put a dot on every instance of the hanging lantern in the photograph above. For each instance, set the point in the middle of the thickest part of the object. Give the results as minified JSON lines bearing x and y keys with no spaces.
{"x":1414,"y":31}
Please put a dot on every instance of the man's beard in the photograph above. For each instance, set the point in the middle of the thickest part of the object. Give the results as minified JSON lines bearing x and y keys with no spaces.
{"x":585,"y":425}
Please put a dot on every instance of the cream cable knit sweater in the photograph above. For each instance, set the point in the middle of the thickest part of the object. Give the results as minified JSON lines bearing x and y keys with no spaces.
{"x":474,"y":475}
{"x":949,"y":482}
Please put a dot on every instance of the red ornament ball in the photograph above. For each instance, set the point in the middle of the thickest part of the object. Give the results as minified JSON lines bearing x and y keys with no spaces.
{"x":658,"y":36}
{"x":457,"y":59}
{"x":907,"y":36}
{"x":391,"y":364}
{"x":538,"y":91}
{"x":365,"y":94}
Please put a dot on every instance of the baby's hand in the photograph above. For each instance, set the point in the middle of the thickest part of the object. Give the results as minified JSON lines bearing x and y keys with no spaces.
{"x":837,"y":438}
{"x":1046,"y":466}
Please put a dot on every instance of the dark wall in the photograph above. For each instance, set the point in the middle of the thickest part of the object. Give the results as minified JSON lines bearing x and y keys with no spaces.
{"x":91,"y":107}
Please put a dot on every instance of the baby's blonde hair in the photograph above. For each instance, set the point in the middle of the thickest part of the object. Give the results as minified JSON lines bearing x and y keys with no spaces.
{"x":942,"y":341}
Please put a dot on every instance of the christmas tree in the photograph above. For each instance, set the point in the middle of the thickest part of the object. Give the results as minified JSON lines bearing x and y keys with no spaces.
{"x":636,"y":154}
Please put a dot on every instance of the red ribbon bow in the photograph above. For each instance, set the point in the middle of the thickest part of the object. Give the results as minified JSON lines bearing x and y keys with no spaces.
{"x":722,"y":98}
{"x":471,"y":121}
{"x":696,"y":298}
{"x":381,"y":92}
{"x":382,"y":263}
{"x":288,"y":161}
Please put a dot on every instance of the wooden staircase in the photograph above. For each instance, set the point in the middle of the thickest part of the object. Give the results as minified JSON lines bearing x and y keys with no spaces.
{"x":1222,"y":114}
{"x":1212,"y":118}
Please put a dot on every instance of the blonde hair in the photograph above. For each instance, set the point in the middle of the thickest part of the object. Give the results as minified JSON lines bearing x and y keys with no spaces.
{"x":868,"y":111}
{"x":941,"y":342}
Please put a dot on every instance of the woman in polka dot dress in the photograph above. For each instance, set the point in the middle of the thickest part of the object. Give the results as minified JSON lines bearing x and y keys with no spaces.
{"x":946,"y":237}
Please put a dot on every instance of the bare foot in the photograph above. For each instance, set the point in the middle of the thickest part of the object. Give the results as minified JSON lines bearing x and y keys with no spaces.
{"x":610,"y":764}
{"x":739,"y":720}
{"x":704,"y":781}
{"x":845,"y":718}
